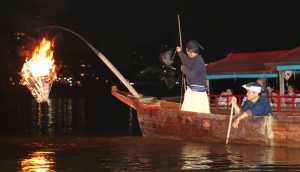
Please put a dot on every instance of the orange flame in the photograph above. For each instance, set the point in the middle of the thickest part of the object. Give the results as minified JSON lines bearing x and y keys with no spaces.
{"x":41,"y":62}
{"x":38,"y":72}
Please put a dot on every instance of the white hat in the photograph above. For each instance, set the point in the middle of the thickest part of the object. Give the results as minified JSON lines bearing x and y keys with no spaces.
{"x":252,"y":87}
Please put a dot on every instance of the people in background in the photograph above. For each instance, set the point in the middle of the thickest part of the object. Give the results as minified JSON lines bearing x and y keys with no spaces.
{"x":225,"y":99}
{"x":255,"y":105}
{"x":290,"y":99}
{"x":193,"y":67}
{"x":272,"y":95}
{"x":263,"y":83}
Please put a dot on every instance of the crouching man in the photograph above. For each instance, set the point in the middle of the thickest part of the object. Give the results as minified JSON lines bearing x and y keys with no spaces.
{"x":256,"y":104}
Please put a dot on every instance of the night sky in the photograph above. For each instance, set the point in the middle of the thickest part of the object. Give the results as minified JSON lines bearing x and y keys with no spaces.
{"x":116,"y":27}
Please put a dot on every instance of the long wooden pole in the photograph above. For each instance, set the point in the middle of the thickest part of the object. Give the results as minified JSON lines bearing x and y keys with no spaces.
{"x":104,"y":59}
{"x":180,"y":41}
{"x":229,"y":125}
{"x":115,"y":71}
{"x":179,"y":28}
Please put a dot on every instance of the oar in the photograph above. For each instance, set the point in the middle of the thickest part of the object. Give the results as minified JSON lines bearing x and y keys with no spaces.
{"x":229,"y":126}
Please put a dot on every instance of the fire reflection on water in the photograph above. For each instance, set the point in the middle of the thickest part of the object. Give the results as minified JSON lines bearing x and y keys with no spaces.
{"x":145,"y":154}
{"x":39,"y":161}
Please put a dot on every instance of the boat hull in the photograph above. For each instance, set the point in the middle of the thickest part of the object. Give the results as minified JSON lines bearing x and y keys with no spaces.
{"x":163,"y":119}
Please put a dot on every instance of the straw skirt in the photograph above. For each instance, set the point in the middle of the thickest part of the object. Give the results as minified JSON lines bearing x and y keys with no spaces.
{"x":195,"y":101}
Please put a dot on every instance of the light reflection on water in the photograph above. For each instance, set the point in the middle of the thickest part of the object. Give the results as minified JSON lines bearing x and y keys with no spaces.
{"x":56,"y":114}
{"x":64,"y":115}
{"x":70,"y":134}
{"x":194,"y":157}
{"x":134,"y":153}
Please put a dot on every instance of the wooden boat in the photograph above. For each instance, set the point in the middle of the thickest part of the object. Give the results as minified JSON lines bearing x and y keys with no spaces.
{"x":164,"y":119}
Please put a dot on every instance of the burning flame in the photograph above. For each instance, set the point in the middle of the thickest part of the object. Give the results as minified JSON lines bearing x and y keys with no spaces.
{"x":38,"y":72}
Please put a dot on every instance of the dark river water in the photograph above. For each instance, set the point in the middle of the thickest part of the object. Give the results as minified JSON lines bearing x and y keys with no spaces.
{"x":96,"y":132}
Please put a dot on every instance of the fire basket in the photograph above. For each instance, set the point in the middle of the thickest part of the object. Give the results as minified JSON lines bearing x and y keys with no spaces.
{"x":38,"y":73}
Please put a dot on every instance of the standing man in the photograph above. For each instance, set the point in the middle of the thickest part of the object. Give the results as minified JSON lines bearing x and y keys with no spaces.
{"x":195,"y":97}
{"x":255,"y":105}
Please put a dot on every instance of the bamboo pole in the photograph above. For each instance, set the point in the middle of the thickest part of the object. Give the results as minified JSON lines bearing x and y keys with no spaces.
{"x":179,"y":29}
{"x":104,"y":59}
{"x":115,"y":71}
{"x":183,"y":84}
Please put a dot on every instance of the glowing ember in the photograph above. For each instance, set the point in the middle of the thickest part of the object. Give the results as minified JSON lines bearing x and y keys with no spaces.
{"x":38,"y":72}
